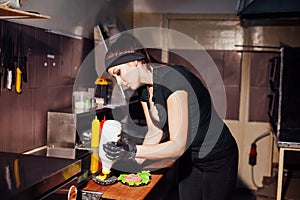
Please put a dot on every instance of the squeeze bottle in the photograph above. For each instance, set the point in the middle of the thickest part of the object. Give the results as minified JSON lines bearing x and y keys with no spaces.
{"x":111,"y":131}
{"x":95,"y":133}
{"x":94,"y":162}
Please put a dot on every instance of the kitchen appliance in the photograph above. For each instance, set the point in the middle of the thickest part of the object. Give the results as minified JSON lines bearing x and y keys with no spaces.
{"x":101,"y":92}
{"x":268,"y":12}
{"x":71,"y":128}
{"x":27,"y":176}
{"x":68,"y":138}
{"x":284,"y":107}
{"x":79,"y":180}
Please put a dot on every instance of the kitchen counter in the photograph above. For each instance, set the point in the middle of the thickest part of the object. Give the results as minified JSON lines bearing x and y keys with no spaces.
{"x":162,"y":185}
{"x":30,"y":176}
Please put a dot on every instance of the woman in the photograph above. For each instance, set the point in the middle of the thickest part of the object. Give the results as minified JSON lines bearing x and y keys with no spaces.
{"x":181,"y":121}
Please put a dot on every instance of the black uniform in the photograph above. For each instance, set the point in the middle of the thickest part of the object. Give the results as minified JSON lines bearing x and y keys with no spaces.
{"x":208,"y":169}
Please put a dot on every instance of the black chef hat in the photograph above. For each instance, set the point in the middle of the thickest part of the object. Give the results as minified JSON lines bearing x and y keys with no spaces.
{"x":124,"y":58}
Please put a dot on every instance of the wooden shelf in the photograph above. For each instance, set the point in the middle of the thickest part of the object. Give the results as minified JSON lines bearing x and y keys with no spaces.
{"x":11,"y":13}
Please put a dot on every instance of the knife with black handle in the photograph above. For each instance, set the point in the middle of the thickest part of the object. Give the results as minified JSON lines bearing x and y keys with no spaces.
{"x":8,"y":61}
{"x":1,"y":69}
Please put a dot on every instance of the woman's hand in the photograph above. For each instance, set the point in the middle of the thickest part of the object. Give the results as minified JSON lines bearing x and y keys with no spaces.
{"x":120,"y":150}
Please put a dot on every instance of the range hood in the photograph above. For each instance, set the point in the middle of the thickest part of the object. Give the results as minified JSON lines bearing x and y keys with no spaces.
{"x":77,"y":18}
{"x":268,"y":12}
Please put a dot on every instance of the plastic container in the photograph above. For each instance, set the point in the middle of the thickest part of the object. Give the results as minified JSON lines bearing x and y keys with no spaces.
{"x":87,"y":104}
{"x":110,"y":132}
{"x":79,"y":98}
{"x":93,"y":103}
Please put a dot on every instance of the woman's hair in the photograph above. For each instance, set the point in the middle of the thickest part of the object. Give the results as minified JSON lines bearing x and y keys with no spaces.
{"x":128,"y":45}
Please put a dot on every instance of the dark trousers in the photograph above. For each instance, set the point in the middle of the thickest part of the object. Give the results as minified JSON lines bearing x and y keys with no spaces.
{"x":211,"y":178}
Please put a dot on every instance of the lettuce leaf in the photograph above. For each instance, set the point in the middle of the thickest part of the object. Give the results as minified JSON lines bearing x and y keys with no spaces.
{"x":144,"y":175}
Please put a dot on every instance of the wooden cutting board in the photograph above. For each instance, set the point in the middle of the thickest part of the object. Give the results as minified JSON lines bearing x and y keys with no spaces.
{"x":121,"y":191}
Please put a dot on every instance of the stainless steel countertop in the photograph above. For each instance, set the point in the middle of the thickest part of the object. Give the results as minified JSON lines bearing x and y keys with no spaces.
{"x":27,"y":176}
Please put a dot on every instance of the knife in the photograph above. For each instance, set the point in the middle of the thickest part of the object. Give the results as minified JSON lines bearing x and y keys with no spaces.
{"x":23,"y":59}
{"x":18,"y":83}
{"x":21,"y":70}
{"x":1,"y":68}
{"x":8,"y":62}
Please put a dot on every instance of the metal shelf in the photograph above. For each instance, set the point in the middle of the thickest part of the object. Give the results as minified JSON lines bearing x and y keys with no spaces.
{"x":10,"y":13}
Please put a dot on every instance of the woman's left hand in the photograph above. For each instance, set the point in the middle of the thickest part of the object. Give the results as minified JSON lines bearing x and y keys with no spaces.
{"x":120,"y":150}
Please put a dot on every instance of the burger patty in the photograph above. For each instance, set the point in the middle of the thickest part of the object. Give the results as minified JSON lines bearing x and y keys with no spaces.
{"x":132,"y":178}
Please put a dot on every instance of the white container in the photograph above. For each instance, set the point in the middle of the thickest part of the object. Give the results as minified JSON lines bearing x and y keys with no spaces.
{"x":79,"y":98}
{"x":110,"y":132}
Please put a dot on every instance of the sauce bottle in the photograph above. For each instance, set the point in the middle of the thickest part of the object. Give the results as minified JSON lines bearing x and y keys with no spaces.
{"x":95,"y":133}
{"x":94,"y":166}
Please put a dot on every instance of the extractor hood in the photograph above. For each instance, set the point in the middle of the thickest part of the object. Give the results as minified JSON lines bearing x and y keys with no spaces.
{"x":268,"y":12}
{"x":77,"y":18}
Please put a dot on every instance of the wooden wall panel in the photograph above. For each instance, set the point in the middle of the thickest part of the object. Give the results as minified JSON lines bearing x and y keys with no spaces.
{"x":39,"y":54}
{"x":17,"y":121}
{"x":66,"y":60}
{"x":77,"y":47}
{"x":54,"y":57}
{"x":41,"y":99}
{"x":23,"y":117}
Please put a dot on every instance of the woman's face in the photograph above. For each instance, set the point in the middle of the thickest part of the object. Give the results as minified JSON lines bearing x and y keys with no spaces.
{"x":126,"y":74}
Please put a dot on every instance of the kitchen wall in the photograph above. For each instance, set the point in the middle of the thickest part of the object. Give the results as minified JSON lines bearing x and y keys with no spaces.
{"x":53,"y":62}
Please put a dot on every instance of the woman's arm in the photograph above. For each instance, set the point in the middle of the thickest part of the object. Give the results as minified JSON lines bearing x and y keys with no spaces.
{"x":178,"y":128}
{"x":154,"y":134}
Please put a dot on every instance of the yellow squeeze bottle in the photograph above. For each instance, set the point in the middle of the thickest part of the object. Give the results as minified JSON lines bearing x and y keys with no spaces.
{"x":94,"y":163}
{"x":95,"y":133}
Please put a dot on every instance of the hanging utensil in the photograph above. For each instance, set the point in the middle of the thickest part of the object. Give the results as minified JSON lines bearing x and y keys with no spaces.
{"x":8,"y":61}
{"x":21,"y":71}
{"x":1,"y":68}
{"x":18,"y":82}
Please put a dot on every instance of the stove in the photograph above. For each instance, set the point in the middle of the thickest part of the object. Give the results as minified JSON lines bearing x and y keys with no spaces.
{"x":34,"y":176}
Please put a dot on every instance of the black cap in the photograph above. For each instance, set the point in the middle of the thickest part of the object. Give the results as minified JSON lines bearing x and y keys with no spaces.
{"x":123,"y":58}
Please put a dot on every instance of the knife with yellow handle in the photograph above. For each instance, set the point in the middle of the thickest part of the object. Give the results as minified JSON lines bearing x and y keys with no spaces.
{"x":18,"y":80}
{"x":20,"y":74}
{"x":17,"y":173}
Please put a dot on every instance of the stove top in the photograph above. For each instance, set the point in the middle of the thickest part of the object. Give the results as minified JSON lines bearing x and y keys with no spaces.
{"x":29,"y":176}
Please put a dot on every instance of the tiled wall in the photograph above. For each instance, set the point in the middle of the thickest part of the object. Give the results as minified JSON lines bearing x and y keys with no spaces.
{"x":259,"y":86}
{"x":23,"y":117}
{"x":228,"y":63}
